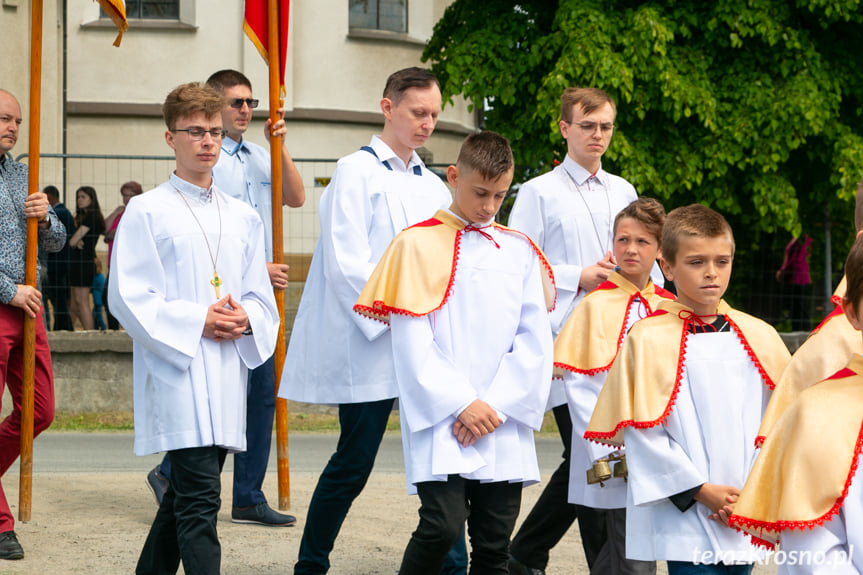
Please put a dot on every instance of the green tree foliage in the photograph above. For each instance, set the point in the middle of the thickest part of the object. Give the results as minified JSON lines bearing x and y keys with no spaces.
{"x":754,"y":107}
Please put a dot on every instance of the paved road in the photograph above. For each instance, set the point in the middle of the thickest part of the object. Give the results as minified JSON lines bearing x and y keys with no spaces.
{"x":65,"y":452}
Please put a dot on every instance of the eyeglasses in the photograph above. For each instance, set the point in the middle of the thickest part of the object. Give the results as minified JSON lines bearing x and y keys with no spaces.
{"x":589,"y":128}
{"x":238,"y":103}
{"x":197,"y":134}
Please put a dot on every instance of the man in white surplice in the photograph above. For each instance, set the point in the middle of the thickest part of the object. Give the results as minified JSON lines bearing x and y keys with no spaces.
{"x":189,"y":283}
{"x":333,"y":357}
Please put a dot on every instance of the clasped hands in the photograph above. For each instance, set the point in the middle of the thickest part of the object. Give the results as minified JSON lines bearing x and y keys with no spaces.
{"x":226,"y":320}
{"x":720,"y":499}
{"x":477,"y":419}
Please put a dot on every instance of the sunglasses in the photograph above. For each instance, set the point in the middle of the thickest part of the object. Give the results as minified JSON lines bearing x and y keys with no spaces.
{"x":238,"y":103}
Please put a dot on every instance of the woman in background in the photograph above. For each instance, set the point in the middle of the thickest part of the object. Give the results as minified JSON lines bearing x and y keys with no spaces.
{"x":89,"y":225}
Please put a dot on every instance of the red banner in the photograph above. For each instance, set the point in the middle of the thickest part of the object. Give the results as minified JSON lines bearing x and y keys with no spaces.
{"x":255,"y":26}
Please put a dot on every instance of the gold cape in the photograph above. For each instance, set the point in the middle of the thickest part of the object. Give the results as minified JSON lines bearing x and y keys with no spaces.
{"x":415,"y":274}
{"x":825,"y":351}
{"x":591,"y":337}
{"x":642,"y":385}
{"x":802,"y":474}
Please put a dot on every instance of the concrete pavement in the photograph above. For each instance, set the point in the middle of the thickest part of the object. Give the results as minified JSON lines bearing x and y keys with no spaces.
{"x":67,"y":452}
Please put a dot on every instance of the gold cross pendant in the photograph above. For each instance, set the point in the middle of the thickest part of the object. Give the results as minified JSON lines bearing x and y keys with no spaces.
{"x":216,"y":282}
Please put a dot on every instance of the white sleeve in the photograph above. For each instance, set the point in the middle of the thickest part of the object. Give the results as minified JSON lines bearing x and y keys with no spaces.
{"x":136,"y":290}
{"x":522,"y":383}
{"x":259,"y":303}
{"x":529,"y":216}
{"x":821,"y":550}
{"x":658,"y":466}
{"x":431,"y":387}
{"x":582,"y":393}
{"x":346,"y":217}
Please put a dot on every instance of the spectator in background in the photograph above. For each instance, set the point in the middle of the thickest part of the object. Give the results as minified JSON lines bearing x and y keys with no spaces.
{"x":128,"y":190}
{"x":90,"y":224}
{"x":56,"y":286}
{"x":793,"y":274}
{"x":97,"y":288}
{"x":18,"y":299}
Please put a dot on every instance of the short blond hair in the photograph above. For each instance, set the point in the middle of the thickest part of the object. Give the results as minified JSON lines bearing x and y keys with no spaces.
{"x":589,"y":99}
{"x":189,"y":99}
{"x":694,"y":220}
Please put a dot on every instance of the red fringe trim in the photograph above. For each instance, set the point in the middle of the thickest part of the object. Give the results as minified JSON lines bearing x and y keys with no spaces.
{"x":620,"y":337}
{"x":598,"y":436}
{"x":740,"y":521}
{"x":380,"y":311}
{"x":763,"y":372}
{"x":542,"y":261}
{"x":573,"y":369}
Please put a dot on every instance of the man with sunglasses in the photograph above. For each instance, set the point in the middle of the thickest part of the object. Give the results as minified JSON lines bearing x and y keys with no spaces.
{"x":569,"y":213}
{"x":243,"y":172}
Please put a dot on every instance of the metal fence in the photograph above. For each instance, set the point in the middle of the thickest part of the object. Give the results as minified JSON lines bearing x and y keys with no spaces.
{"x":106,"y":173}
{"x":754,"y":286}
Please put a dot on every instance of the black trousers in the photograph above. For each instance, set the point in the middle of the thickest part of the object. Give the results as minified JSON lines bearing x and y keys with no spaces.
{"x":552,"y":514}
{"x":342,"y":480}
{"x":56,"y":291}
{"x":185,"y":525}
{"x":612,"y":557}
{"x":490,"y":510}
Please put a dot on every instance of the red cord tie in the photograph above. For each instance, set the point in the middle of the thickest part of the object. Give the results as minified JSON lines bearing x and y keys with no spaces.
{"x":482,"y":232}
{"x":691,"y":318}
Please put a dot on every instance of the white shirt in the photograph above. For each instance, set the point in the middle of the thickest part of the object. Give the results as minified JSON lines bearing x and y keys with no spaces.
{"x":834,"y":548}
{"x":569,"y":213}
{"x":244,"y":172}
{"x":490,"y":341}
{"x":334,"y":356}
{"x":190,"y":391}
{"x":709,"y":437}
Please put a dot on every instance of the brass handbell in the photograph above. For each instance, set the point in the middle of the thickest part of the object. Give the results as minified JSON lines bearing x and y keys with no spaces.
{"x":620,"y":469}
{"x":599,"y":472}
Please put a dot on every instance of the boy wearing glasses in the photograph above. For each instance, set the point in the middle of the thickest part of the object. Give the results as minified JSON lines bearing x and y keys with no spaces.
{"x":569,"y":213}
{"x":189,"y":283}
{"x":243,"y":172}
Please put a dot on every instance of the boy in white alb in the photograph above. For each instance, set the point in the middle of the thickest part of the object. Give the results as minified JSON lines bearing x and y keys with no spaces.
{"x":334,"y":356}
{"x":583,"y":353}
{"x":189,"y":283}
{"x":803,"y":490}
{"x":467,"y":301}
{"x":686,"y":393}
